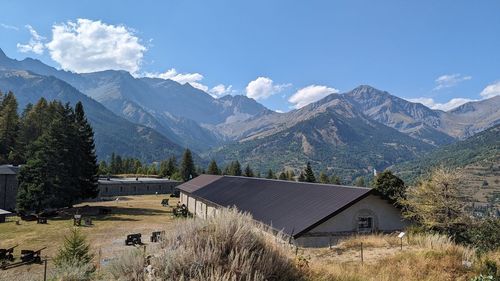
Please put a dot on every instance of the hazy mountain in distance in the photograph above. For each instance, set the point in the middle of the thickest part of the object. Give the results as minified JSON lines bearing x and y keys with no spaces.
{"x":184,"y":114}
{"x":112,"y":133}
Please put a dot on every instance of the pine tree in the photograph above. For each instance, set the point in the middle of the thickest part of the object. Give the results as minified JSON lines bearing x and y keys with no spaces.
{"x":112,"y":164}
{"x":248,"y":171}
{"x":75,"y":251}
{"x":235,"y":169}
{"x":335,"y":180}
{"x":360,"y":181}
{"x":171,"y":166}
{"x":87,"y":159}
{"x":302,"y":178}
{"x":390,"y":186}
{"x":309,"y":174}
{"x":213,"y":169}
{"x":152,"y":170}
{"x":323,"y":178}
{"x":9,"y":129}
{"x":103,"y":168}
{"x":270,"y":174}
{"x":187,"y":169}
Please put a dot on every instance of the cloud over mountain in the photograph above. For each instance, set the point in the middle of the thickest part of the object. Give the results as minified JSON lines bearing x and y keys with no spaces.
{"x":450,"y":80}
{"x":491,"y":90}
{"x":35,"y":45}
{"x":263,"y":87}
{"x":88,"y":46}
{"x":310,"y":94}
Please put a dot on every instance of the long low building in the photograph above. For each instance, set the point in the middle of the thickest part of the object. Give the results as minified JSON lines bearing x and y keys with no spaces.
{"x":314,"y":215}
{"x":110,"y":187}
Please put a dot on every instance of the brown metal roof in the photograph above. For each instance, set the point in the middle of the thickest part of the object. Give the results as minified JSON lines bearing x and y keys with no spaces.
{"x":293,"y":207}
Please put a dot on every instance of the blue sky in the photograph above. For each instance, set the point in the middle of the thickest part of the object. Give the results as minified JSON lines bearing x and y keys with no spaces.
{"x":283,"y":53}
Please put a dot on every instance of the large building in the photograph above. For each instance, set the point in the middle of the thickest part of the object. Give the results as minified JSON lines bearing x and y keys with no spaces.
{"x":8,"y":186}
{"x":314,"y":215}
{"x":109,"y":187}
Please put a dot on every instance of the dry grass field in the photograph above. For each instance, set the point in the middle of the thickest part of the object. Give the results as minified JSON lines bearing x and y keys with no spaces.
{"x":424,"y":257}
{"x":130,"y":214}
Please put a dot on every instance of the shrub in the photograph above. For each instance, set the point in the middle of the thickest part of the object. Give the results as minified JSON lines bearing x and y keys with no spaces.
{"x":229,"y":246}
{"x":130,"y":266}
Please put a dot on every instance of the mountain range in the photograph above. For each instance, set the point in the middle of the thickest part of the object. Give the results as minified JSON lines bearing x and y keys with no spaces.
{"x":348,"y":133}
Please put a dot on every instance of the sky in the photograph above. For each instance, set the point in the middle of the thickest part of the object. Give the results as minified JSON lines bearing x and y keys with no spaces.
{"x":284,"y":54}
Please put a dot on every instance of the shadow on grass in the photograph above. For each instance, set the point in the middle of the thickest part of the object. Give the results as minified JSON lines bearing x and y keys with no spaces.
{"x":114,"y":213}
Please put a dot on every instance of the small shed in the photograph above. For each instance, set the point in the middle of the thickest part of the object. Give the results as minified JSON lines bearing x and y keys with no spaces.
{"x":3,"y":215}
{"x":312,"y":214}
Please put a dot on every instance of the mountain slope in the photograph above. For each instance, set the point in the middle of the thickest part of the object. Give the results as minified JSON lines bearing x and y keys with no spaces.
{"x":481,"y":149}
{"x":184,"y":114}
{"x":331,"y":134}
{"x":112,"y":133}
{"x":413,"y":119}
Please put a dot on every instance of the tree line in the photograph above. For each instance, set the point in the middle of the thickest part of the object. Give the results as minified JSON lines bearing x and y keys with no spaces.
{"x":54,"y":142}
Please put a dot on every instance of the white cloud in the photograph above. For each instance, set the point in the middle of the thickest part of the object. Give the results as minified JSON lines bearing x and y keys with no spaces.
{"x":279,"y":111}
{"x":220,"y":90}
{"x":450,"y":80}
{"x":310,"y":94}
{"x":491,"y":90}
{"x":7,"y":26}
{"x":192,"y":78}
{"x":88,"y":46}
{"x":451,"y":104}
{"x":35,"y":44}
{"x":182,"y":78}
{"x":263,"y":87}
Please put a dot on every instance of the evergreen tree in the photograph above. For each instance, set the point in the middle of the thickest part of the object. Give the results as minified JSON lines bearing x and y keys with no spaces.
{"x":270,"y":174}
{"x":103,"y":168}
{"x":112,"y":164}
{"x":390,"y":186}
{"x":309,"y":174}
{"x":323,"y":178}
{"x":171,"y":166}
{"x":213,"y":169}
{"x":301,"y":177}
{"x":152,"y":170}
{"x":9,"y":129}
{"x":60,"y":163}
{"x":335,"y":180}
{"x":360,"y":181}
{"x":50,"y":177}
{"x":235,"y":168}
{"x":187,"y":170}
{"x":75,"y":251}
{"x":87,"y":159}
{"x":248,"y":171}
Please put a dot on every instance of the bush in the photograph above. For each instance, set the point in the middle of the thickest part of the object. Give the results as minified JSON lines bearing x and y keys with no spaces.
{"x":486,"y":236}
{"x":229,"y":246}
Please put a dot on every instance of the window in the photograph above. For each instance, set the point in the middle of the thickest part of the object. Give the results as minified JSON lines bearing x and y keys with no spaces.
{"x":106,"y":189}
{"x":365,"y":224}
{"x":121,"y":188}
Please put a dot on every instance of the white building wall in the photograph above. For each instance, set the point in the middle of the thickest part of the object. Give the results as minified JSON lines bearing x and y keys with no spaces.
{"x":386,"y":218}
